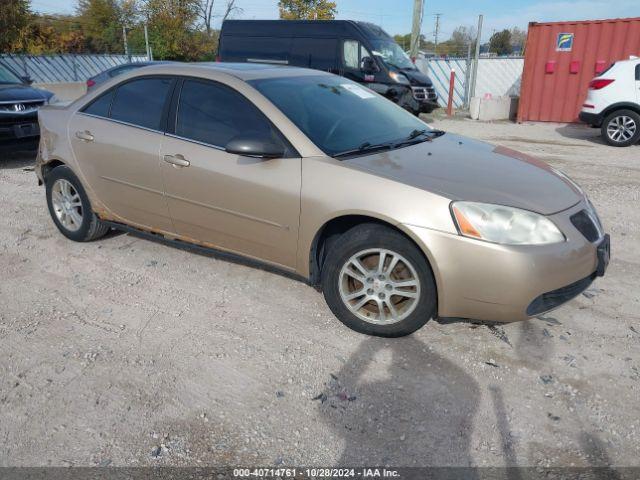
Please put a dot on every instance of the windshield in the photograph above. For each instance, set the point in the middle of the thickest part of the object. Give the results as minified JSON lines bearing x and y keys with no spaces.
{"x":336,"y":114}
{"x":6,"y":76}
{"x":392,"y":54}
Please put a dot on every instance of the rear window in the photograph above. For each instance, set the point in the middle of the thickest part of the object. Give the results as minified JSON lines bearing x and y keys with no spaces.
{"x":141,"y":102}
{"x":100,"y":106}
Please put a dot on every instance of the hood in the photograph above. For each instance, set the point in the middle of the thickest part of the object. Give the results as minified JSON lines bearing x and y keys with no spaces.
{"x":20,"y":92}
{"x":461,"y":168}
{"x":417,"y":78}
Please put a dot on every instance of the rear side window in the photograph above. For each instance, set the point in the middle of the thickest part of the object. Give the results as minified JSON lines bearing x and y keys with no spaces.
{"x":100,"y":106}
{"x":141,"y":102}
{"x":214,"y":114}
{"x":638,"y":72}
{"x":318,"y":53}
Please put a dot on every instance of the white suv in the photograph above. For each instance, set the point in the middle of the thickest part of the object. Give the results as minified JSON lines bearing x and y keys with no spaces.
{"x":613,"y":103}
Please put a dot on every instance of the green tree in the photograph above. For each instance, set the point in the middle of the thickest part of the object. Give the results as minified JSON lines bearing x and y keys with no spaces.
{"x":172,"y":28}
{"x":102,"y":22}
{"x":14,"y":19}
{"x":307,"y":9}
{"x":500,"y":43}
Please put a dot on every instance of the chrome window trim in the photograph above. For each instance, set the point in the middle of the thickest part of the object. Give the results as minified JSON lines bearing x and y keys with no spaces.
{"x":204,"y":144}
{"x":120,"y":122}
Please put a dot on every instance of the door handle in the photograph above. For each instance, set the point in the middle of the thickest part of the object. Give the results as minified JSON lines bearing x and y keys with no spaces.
{"x":86,"y":136}
{"x":176,"y":160}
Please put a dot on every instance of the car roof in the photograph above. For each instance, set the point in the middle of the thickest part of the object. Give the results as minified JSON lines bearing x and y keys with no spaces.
{"x":242,"y":71}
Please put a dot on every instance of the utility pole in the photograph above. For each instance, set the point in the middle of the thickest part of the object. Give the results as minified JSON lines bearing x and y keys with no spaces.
{"x":474,"y":75}
{"x":437,"y":31}
{"x":146,"y":42}
{"x":126,"y":45}
{"x":418,"y":9}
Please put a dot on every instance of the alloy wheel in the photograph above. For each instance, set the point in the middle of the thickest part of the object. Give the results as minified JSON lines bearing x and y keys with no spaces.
{"x":67,"y":204}
{"x":379,"y":286}
{"x":621,"y":128}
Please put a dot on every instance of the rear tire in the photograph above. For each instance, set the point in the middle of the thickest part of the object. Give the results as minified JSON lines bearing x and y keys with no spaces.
{"x":401,"y":287}
{"x":621,"y":128}
{"x":70,"y":208}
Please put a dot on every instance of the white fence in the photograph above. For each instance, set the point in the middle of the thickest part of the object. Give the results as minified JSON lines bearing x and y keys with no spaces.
{"x":66,"y":67}
{"x":496,"y":77}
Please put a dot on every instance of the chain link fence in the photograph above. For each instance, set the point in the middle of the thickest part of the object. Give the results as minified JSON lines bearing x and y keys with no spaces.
{"x":64,"y":67}
{"x":498,"y":77}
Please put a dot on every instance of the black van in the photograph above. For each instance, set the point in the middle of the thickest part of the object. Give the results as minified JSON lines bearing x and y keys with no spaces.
{"x":360,"y":51}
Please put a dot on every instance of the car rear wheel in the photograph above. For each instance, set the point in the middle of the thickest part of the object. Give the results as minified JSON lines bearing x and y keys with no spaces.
{"x":70,"y":208}
{"x":378,"y":282}
{"x":621,"y":128}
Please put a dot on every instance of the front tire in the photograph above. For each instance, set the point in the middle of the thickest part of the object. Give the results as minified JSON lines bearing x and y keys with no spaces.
{"x":377,"y":282}
{"x":70,"y":208}
{"x":621,"y":128}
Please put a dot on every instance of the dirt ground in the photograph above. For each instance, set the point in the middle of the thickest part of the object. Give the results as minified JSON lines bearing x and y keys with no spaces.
{"x":127,"y":352}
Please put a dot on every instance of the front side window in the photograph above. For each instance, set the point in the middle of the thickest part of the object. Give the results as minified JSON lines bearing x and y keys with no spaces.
{"x":638,"y":72}
{"x":215,"y":114}
{"x":337,"y":114}
{"x":141,"y":102}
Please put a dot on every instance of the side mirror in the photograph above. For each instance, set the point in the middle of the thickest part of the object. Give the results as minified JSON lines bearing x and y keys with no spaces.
{"x":260,"y":146}
{"x":369,"y":65}
{"x":27,"y":79}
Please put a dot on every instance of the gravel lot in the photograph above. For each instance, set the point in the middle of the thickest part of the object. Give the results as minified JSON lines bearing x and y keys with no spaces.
{"x":129,"y":352}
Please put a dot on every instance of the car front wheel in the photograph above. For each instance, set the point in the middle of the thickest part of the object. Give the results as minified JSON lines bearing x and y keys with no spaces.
{"x":621,"y":128}
{"x":376,"y":281}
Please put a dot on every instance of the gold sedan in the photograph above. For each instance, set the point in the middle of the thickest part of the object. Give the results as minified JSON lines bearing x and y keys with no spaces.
{"x":316,"y":176}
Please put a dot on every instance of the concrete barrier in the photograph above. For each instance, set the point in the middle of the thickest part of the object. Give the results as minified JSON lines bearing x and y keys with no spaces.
{"x":65,"y":91}
{"x":493,"y":108}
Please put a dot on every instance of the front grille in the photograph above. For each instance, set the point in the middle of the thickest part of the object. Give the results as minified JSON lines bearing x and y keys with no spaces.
{"x":423,"y":94}
{"x":419,"y":93}
{"x":586,"y":225}
{"x":7,"y":119}
{"x":550,"y":300}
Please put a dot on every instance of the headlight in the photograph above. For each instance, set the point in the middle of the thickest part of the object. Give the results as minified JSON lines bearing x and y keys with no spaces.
{"x":506,"y":225}
{"x":400,"y":78}
{"x":52,"y":99}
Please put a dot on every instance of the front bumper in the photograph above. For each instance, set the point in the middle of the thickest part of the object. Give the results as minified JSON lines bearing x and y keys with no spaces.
{"x":492,"y":282}
{"x":589,"y":118}
{"x":18,"y":127}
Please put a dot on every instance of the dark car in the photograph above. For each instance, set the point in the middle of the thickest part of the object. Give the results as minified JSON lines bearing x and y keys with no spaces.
{"x":115,"y":71}
{"x":359,"y":51}
{"x":19,"y":103}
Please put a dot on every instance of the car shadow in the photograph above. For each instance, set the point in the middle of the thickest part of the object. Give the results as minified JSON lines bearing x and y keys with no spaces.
{"x":578,"y":131}
{"x":396,"y":402}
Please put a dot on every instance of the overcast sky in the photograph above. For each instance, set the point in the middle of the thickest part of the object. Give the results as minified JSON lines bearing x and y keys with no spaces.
{"x":395,"y":15}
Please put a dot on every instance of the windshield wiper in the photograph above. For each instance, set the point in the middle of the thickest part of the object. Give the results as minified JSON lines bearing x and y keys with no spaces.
{"x":366,"y":147}
{"x":412,"y":138}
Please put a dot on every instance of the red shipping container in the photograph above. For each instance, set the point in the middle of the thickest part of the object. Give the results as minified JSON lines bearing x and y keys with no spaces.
{"x":558,"y":96}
